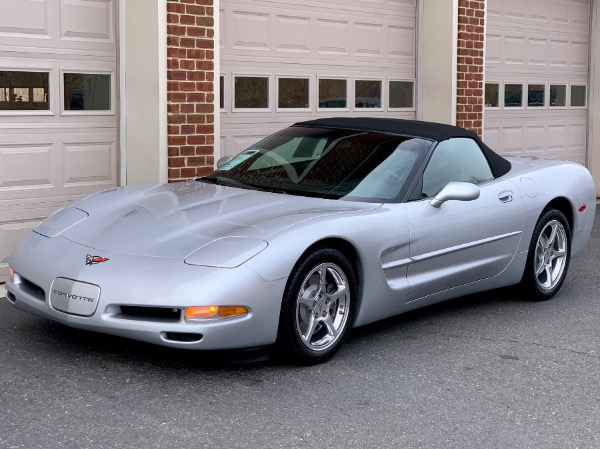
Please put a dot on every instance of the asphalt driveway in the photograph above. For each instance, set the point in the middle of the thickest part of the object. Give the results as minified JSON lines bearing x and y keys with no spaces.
{"x":483,"y":371}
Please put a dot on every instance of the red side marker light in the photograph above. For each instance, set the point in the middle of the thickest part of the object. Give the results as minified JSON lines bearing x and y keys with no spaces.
{"x":582,"y":208}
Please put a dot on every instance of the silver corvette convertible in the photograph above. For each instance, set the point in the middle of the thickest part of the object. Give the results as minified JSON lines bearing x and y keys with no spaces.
{"x":321,"y":227}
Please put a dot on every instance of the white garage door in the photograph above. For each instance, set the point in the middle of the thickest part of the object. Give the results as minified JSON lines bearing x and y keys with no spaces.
{"x":537,"y":77}
{"x":286,"y":61}
{"x":58,"y":126}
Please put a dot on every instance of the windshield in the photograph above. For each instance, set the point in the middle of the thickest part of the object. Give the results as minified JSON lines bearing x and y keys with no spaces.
{"x":328,"y":163}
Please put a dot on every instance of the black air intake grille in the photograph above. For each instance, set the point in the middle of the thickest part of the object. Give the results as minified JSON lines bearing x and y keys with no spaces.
{"x":143,"y":313}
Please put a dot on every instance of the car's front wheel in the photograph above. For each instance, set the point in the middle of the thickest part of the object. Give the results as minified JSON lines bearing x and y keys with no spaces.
{"x":549,"y":255}
{"x":318,"y":307}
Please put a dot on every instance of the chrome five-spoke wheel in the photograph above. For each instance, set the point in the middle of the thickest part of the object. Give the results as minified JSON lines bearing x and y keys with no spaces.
{"x":549,"y":253}
{"x":322,"y":306}
{"x":318,"y":307}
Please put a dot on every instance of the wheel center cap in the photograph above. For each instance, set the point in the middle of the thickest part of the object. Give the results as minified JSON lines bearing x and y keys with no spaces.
{"x":319,"y":304}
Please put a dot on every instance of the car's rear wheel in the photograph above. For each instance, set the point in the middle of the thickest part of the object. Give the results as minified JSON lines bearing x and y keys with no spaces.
{"x":549,"y":256}
{"x":318,"y":307}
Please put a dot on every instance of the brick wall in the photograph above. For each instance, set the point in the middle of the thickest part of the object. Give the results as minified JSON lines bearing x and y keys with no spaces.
{"x":471,"y":36}
{"x":190,"y":92}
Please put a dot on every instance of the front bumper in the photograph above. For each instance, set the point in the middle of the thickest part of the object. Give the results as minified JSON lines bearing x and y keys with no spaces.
{"x":126,"y":280}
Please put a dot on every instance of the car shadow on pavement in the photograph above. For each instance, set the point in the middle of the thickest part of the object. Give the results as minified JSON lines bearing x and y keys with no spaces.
{"x":44,"y":335}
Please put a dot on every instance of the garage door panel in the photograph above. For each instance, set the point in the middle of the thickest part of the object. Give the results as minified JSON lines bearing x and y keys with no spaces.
{"x":293,"y":34}
{"x":36,"y":207}
{"x":536,"y":52}
{"x":24,"y":17}
{"x":75,"y":163}
{"x":250,"y":31}
{"x":27,"y":166}
{"x":513,"y":9}
{"x":58,"y":25}
{"x":265,"y":30}
{"x":514,"y":50}
{"x":493,"y":49}
{"x":559,"y":54}
{"x":89,"y":163}
{"x":371,"y":7}
{"x":369,"y":39}
{"x":557,"y":134}
{"x":333,"y":37}
{"x":581,"y":13}
{"x":512,"y":137}
{"x":579,"y":52}
{"x":87,"y":20}
{"x":537,"y":10}
{"x":535,"y":136}
{"x":558,"y":15}
{"x":402,"y":42}
{"x":559,"y":12}
{"x":492,"y":137}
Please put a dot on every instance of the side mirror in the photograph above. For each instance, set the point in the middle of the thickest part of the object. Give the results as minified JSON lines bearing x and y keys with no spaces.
{"x":222,"y":161}
{"x":459,"y":191}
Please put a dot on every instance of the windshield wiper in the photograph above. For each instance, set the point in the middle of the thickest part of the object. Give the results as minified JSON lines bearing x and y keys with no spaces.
{"x":208,"y":179}
{"x":227,"y":182}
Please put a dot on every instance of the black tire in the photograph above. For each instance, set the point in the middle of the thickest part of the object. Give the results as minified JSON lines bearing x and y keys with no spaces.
{"x":543,"y":285}
{"x":304,"y":303}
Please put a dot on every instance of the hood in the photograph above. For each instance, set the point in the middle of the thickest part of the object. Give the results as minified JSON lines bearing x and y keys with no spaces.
{"x":174,"y":220}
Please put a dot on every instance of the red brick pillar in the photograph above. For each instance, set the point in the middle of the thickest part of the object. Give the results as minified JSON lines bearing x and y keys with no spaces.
{"x":190,"y":90}
{"x":471,"y":38}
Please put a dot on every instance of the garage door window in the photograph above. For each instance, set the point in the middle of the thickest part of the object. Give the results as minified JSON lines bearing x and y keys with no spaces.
{"x":558,"y":95}
{"x":251,"y":92}
{"x":402,"y":95}
{"x":87,"y":92}
{"x":492,"y":95}
{"x":367,"y":94}
{"x":513,"y":95}
{"x":293,"y":93}
{"x":333,"y":93}
{"x":578,"y":95}
{"x":24,"y":91}
{"x":536,"y":95}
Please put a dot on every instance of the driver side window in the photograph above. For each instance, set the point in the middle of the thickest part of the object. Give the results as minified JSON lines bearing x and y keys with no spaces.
{"x":458,"y":159}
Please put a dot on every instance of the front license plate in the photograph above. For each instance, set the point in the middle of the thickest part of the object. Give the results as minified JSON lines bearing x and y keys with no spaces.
{"x":73,"y":297}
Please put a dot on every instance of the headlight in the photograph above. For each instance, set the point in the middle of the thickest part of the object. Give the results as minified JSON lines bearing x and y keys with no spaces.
{"x":228,"y":252}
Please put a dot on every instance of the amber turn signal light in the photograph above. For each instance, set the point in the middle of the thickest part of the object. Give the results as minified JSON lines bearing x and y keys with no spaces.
{"x":200,"y":312}
{"x":11,"y":274}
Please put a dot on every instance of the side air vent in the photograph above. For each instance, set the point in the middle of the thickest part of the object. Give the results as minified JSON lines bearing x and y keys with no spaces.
{"x":32,"y":289}
{"x":11,"y":297}
{"x":183,"y":337}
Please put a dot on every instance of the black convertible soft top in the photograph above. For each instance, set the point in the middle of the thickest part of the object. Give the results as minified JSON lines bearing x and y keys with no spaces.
{"x":412,"y":128}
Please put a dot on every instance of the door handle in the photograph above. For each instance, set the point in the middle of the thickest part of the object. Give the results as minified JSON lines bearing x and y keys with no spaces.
{"x":506,"y":196}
